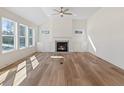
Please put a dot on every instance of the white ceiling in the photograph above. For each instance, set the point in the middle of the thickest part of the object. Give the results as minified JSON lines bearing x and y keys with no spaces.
{"x":78,"y":12}
{"x":38,"y":15}
{"x":33,"y":14}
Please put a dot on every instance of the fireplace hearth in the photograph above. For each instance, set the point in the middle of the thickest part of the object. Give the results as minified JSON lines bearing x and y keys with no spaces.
{"x":61,"y":46}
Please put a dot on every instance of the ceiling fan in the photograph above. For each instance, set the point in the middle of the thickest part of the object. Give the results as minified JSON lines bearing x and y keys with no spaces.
{"x":61,"y":11}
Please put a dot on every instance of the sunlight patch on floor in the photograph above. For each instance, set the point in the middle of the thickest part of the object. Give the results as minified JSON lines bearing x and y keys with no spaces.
{"x":34,"y":62}
{"x":21,"y":65}
{"x":21,"y":74}
{"x":3,"y":77}
{"x":32,"y":58}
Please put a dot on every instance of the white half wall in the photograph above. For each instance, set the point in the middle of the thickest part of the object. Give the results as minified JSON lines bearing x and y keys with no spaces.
{"x":13,"y":56}
{"x":9,"y":58}
{"x":106,"y":30}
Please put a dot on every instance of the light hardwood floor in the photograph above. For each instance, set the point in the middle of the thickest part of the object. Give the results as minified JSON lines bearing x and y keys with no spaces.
{"x":70,"y":69}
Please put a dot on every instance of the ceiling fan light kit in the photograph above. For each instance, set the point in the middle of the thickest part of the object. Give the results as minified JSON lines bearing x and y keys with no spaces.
{"x":61,"y":12}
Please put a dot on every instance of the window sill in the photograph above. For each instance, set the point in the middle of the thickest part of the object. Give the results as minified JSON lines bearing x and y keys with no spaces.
{"x":30,"y":46}
{"x":22,"y":48}
{"x":8,"y":51}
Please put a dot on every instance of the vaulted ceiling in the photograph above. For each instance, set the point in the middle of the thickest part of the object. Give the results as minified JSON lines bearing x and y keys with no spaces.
{"x":78,"y":12}
{"x":38,"y":15}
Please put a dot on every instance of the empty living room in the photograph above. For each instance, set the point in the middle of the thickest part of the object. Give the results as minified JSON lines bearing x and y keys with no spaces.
{"x":61,"y":46}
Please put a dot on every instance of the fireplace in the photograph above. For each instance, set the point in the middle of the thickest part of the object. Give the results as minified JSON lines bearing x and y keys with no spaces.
{"x":61,"y":46}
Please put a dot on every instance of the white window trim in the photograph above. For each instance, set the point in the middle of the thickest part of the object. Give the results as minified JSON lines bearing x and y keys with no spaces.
{"x":17,"y":36}
{"x":9,"y":35}
{"x":0,"y":35}
{"x":31,"y":37}
{"x":20,"y":24}
{"x":15,"y":31}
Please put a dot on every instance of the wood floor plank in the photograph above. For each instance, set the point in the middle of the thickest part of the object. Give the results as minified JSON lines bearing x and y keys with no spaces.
{"x":71,"y":69}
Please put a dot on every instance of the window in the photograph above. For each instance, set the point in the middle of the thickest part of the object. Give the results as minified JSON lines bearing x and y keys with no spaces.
{"x":30,"y":36}
{"x":8,"y":34}
{"x":22,"y":36}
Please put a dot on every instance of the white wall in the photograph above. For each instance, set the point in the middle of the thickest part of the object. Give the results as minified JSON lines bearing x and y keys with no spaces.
{"x":62,"y":29}
{"x":44,"y":43}
{"x":10,"y":57}
{"x":106,"y":29}
{"x":79,"y":40}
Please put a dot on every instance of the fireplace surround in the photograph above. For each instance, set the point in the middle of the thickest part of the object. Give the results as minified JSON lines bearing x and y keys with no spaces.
{"x":62,"y":46}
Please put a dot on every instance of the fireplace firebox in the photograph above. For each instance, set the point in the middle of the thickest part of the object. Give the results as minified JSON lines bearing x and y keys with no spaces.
{"x":61,"y":46}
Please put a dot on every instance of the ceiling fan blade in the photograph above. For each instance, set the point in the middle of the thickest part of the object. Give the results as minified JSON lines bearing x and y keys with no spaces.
{"x":67,"y":13}
{"x":65,"y":10}
{"x":56,"y":10}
